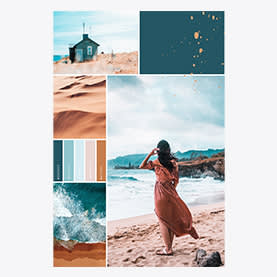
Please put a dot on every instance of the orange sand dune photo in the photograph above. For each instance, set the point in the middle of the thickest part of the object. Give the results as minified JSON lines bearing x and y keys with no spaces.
{"x":79,"y":107}
{"x":117,"y":63}
{"x":80,"y":255}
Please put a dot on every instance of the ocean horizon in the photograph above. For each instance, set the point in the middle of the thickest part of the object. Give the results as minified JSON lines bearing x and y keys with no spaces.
{"x":58,"y":57}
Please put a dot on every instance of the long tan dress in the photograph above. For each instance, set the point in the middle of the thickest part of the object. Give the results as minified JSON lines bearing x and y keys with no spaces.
{"x":169,"y":207}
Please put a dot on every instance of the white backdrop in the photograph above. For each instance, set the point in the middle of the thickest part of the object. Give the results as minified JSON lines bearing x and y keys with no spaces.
{"x":26,"y":136}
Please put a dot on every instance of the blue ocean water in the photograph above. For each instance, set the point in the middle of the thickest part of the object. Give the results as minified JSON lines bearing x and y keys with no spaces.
{"x":131,"y":192}
{"x":58,"y":57}
{"x":80,"y":211}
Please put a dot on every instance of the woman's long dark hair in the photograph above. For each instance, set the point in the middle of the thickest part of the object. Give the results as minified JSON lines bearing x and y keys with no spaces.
{"x":164,"y":155}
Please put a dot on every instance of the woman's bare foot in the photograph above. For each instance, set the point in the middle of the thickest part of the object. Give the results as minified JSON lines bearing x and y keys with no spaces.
{"x":164,"y":252}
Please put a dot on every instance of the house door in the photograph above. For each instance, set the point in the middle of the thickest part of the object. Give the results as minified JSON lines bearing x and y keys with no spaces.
{"x":79,"y":55}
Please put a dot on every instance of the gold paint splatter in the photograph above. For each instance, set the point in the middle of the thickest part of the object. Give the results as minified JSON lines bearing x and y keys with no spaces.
{"x":198,"y":42}
{"x":203,"y":13}
{"x":195,"y":81}
{"x":200,"y":50}
{"x":191,"y":73}
{"x":200,"y":37}
{"x":185,"y":75}
{"x":213,"y":17}
{"x":216,"y":18}
{"x":193,"y":56}
{"x":191,"y":17}
{"x":193,"y":65}
{"x":207,"y":39}
{"x":196,"y":35}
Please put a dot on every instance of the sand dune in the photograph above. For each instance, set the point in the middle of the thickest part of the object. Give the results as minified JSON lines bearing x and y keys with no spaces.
{"x":120,"y":63}
{"x":134,"y":241}
{"x":80,"y":255}
{"x":79,"y":107}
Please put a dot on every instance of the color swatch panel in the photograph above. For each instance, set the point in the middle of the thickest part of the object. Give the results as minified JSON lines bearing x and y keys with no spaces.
{"x":79,"y":160}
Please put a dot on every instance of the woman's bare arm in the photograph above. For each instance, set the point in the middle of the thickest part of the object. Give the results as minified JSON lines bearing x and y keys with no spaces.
{"x":144,"y":162}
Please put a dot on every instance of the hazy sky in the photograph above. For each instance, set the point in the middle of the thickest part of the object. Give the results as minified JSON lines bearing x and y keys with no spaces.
{"x":186,"y":111}
{"x":113,"y":30}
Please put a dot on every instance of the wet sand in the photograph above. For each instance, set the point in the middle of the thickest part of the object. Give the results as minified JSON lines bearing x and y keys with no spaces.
{"x":80,"y":255}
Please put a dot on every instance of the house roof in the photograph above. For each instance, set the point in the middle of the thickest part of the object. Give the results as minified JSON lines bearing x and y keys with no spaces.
{"x":86,"y":39}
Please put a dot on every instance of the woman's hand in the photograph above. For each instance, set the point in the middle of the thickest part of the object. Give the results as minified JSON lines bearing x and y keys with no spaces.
{"x":144,"y":162}
{"x":154,"y":151}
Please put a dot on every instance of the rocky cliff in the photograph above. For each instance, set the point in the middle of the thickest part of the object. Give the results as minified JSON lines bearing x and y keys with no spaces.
{"x":213,"y":167}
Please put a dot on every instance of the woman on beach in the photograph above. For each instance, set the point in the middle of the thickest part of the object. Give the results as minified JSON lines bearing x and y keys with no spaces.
{"x":173,"y":214}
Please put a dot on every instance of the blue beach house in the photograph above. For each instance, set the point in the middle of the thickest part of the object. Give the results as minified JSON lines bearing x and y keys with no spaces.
{"x":84,"y":50}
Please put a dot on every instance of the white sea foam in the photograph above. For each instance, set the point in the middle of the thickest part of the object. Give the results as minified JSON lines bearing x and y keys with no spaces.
{"x":131,"y":192}
{"x":72,"y":222}
{"x":60,"y":201}
{"x":101,"y":221}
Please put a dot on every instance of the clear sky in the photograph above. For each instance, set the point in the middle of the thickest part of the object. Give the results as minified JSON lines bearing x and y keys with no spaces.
{"x":186,"y":111}
{"x":113,"y":30}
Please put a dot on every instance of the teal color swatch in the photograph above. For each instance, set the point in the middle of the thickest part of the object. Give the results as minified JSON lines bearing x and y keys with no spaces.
{"x":58,"y":160}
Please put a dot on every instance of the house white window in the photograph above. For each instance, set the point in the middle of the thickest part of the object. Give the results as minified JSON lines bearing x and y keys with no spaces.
{"x":89,"y":49}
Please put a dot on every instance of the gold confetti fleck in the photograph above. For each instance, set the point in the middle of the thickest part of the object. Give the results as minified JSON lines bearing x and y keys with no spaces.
{"x":213,"y":17}
{"x":200,"y":50}
{"x":191,"y":17}
{"x":193,"y":56}
{"x":193,"y":65}
{"x":200,"y":37}
{"x":216,"y":18}
{"x":196,"y":35}
{"x":195,"y":81}
{"x":198,"y":42}
{"x":207,"y":39}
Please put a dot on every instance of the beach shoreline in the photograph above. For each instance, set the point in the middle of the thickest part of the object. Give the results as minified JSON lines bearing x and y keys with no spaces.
{"x":133,"y":241}
{"x":77,"y":254}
